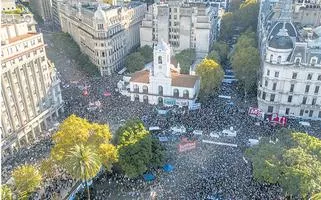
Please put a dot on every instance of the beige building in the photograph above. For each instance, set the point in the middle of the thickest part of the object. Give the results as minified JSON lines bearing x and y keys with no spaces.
{"x":290,"y":78}
{"x":30,"y":90}
{"x":43,"y":8}
{"x":182,"y":25}
{"x":105,"y":33}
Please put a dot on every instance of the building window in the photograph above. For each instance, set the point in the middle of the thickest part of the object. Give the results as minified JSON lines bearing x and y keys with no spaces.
{"x":309,"y":76}
{"x":270,"y":109}
{"x":145,"y":99}
{"x":319,"y":114}
{"x":287,"y":111}
{"x":266,"y":83}
{"x":314,"y":101}
{"x":311,"y":113}
{"x":290,"y":99}
{"x":186,"y":94}
{"x":103,"y":54}
{"x":263,"y":95}
{"x":145,"y":89}
{"x":313,"y":61}
{"x":160,"y":60}
{"x":316,"y":90}
{"x":176,"y":93}
{"x":279,"y":60}
{"x":274,"y":86}
{"x":292,"y":88}
{"x":136,"y":88}
{"x":136,"y":97}
{"x":301,"y":112}
{"x":271,"y":58}
{"x":268,"y":72}
{"x":307,"y":88}
{"x":160,"y":90}
{"x":319,"y":77}
{"x":276,"y":74}
{"x":294,"y":75}
{"x":272,"y":97}
{"x":304,"y":101}
{"x":297,"y":61}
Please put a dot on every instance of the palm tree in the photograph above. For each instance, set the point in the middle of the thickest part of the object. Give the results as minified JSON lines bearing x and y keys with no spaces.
{"x":82,"y":162}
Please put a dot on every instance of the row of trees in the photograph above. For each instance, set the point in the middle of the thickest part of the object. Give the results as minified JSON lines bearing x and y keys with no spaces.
{"x":82,"y":149}
{"x":245,"y":61}
{"x":243,"y":17}
{"x":64,"y":41}
{"x":136,"y":61}
{"x":185,"y":59}
{"x":293,"y":160}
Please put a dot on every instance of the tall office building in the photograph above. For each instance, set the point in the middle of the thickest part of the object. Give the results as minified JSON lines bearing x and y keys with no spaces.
{"x":30,"y":89}
{"x":183,"y":25}
{"x":104,"y":32}
{"x":43,"y":8}
{"x":290,"y":78}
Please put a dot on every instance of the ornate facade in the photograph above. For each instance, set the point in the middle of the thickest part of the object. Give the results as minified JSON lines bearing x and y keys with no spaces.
{"x":290,"y":78}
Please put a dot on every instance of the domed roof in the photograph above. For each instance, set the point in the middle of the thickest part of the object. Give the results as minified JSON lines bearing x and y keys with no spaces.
{"x":100,"y":14}
{"x":281,"y":42}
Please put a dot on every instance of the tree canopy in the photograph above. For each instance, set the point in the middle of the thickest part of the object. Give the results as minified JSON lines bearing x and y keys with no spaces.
{"x":211,"y":74}
{"x":240,"y":19}
{"x":26,"y":179}
{"x":147,"y":52}
{"x":137,"y":150}
{"x":6,"y":192}
{"x":185,"y":59}
{"x":246,"y":61}
{"x":213,"y":55}
{"x":293,"y":161}
{"x":222,"y":50}
{"x":134,"y":62}
{"x":75,"y":130}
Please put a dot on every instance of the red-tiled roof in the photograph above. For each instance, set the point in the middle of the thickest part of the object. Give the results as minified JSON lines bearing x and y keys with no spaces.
{"x":178,"y":80}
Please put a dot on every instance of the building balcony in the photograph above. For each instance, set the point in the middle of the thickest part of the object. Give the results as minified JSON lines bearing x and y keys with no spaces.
{"x":173,"y":96}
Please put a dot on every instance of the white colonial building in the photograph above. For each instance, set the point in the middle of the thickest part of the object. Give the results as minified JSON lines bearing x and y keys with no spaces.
{"x":290,"y":79}
{"x":104,"y":32}
{"x":181,"y":24}
{"x":30,"y":89}
{"x":162,"y":83}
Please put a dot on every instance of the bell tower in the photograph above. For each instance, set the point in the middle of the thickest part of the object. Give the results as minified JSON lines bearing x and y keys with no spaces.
{"x":161,"y":64}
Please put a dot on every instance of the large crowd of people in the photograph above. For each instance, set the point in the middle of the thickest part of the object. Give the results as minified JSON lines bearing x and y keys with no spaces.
{"x":207,"y":171}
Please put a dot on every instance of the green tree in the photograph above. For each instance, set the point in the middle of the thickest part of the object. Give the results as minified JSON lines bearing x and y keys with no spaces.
{"x":134,"y":62}
{"x":213,"y":55}
{"x":222,"y":50}
{"x":247,"y":39}
{"x":6,"y":193}
{"x":75,"y":130}
{"x":82,"y":163}
{"x":316,"y":196}
{"x":147,"y":52}
{"x":245,"y":64}
{"x":293,"y":161}
{"x":26,"y":179}
{"x":227,"y":26}
{"x":185,"y":59}
{"x":235,"y":5}
{"x":137,"y":149}
{"x":211,"y":74}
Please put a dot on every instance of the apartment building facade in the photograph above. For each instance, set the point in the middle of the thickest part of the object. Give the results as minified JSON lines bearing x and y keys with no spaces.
{"x":104,"y":32}
{"x":30,"y":89}
{"x":183,"y":25}
{"x":43,"y":8}
{"x":290,"y":78}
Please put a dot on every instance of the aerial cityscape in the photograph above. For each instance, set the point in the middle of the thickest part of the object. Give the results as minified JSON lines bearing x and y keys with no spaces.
{"x":160,"y":99}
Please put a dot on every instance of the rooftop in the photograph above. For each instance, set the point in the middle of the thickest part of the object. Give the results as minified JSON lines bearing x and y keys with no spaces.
{"x":21,"y":37}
